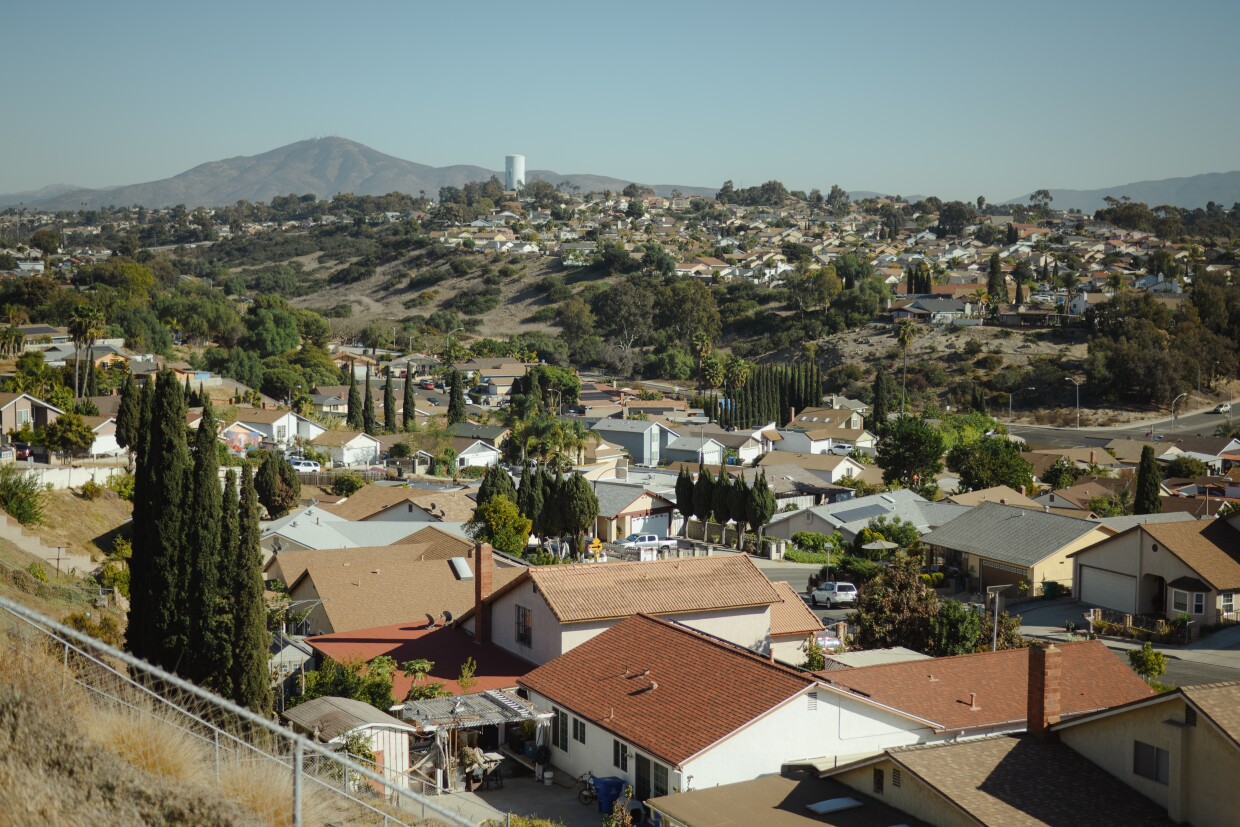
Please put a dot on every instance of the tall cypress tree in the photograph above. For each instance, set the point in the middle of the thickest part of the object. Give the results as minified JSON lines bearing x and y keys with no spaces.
{"x":496,"y":482}
{"x":202,"y":536}
{"x":740,"y":507}
{"x":456,"y":399}
{"x":684,"y":496}
{"x":408,"y":416}
{"x":996,"y":287}
{"x":878,"y":417}
{"x":128,"y":414}
{"x":353,"y":413}
{"x":138,"y":635}
{"x":220,"y":676}
{"x":529,"y":497}
{"x":368,"y":407}
{"x":389,"y":405}
{"x":250,"y":680}
{"x":721,"y":500}
{"x":703,"y":494}
{"x":1147,"y":500}
{"x":761,"y":504}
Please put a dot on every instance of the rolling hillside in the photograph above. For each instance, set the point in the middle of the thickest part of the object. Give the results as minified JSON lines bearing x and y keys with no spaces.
{"x":1191,"y":192}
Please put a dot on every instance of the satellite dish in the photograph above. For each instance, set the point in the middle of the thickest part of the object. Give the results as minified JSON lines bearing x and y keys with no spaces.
{"x":430,"y":621}
{"x":447,"y":616}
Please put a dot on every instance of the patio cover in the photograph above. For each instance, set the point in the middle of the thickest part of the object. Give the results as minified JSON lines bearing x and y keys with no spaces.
{"x":493,"y":707}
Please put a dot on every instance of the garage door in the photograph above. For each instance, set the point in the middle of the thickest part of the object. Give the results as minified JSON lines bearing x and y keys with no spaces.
{"x":650,"y":524}
{"x":1109,"y":589}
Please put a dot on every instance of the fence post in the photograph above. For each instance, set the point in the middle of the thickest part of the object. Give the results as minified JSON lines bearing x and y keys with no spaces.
{"x":64,"y":675}
{"x":297,"y":758}
{"x":216,"y":733}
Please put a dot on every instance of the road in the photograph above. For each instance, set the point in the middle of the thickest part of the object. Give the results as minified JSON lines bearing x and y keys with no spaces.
{"x":1201,"y":422}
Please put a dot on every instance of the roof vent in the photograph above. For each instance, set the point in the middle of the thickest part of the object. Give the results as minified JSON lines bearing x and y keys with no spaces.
{"x":933,"y":679}
{"x":973,"y":707}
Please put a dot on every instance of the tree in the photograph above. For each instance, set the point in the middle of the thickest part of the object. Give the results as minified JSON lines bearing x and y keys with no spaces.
{"x":389,"y":405}
{"x":353,"y":413}
{"x":251,"y":681}
{"x":953,"y":216}
{"x":356,"y":679}
{"x":906,"y":332}
{"x":721,"y":499}
{"x":408,"y":416}
{"x":128,"y":413}
{"x":68,"y":434}
{"x":277,"y":484}
{"x":579,"y":505}
{"x":420,"y":669}
{"x":882,"y":400}
{"x":456,"y":398}
{"x":1148,"y":662}
{"x":1186,"y":467}
{"x":896,"y":609}
{"x":996,"y":285}
{"x":684,"y":496}
{"x":1063,"y":473}
{"x":220,"y":673}
{"x":1147,"y":499}
{"x":815,"y":658}
{"x":202,"y":536}
{"x":954,"y":630}
{"x":761,"y":506}
{"x":703,"y":494}
{"x":499,"y":522}
{"x":1021,"y":274}
{"x":496,"y":482}
{"x":911,"y":453}
{"x":988,"y":462}
{"x":368,"y":407}
{"x":740,"y":493}
{"x":530,"y":496}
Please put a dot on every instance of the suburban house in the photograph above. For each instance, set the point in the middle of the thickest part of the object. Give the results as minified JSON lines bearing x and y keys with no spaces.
{"x":625,"y":509}
{"x":810,"y":418}
{"x":998,"y":494}
{"x":474,"y":453}
{"x":18,"y":410}
{"x":667,"y":707}
{"x":348,"y":447}
{"x":707,"y":450}
{"x":492,"y":434}
{"x":395,"y":503}
{"x":999,"y":544}
{"x":830,"y":467}
{"x":825,"y":439}
{"x":549,"y":610}
{"x":792,"y":621}
{"x":1167,"y":569}
{"x":644,"y":440}
{"x":428,"y":543}
{"x":104,"y":429}
{"x":849,"y":517}
{"x":279,"y":429}
{"x":745,"y":446}
{"x":333,"y":721}
{"x":1076,"y":498}
{"x":314,"y":527}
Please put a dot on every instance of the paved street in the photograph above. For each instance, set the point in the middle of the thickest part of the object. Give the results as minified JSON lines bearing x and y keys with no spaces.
{"x":1201,"y":422}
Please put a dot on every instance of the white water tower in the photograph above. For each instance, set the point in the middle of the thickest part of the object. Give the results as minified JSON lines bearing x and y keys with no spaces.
{"x":514,"y":171}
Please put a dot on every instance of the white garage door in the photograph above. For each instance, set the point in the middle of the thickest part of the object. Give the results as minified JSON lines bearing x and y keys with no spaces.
{"x":650,"y":524}
{"x":1109,"y":589}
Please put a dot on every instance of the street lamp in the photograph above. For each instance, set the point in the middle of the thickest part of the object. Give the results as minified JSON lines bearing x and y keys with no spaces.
{"x":448,"y":354}
{"x":1078,"y":399}
{"x":1011,"y":396}
{"x":992,"y":592}
{"x":1173,"y":401}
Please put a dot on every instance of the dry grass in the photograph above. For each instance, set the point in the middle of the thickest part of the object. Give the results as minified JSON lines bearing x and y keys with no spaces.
{"x":85,"y":526}
{"x":45,"y":598}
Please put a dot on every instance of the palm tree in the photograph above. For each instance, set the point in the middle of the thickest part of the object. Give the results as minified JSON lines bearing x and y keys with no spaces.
{"x":735,"y":373}
{"x":701,"y":346}
{"x":712,"y":372}
{"x":906,"y":331}
{"x":980,"y":299}
{"x":85,"y":327}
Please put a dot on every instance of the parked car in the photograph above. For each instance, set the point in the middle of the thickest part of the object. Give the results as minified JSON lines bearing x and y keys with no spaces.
{"x":1223,"y":407}
{"x":427,"y":384}
{"x":305,"y":466}
{"x":841,"y":450}
{"x":22,"y":450}
{"x":647,"y":541}
{"x":834,"y":594}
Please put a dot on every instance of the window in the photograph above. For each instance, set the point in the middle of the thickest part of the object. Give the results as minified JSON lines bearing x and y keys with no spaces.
{"x":525,"y":626}
{"x":1199,"y":603}
{"x":620,"y":756}
{"x":281,"y":430}
{"x":1179,"y":601}
{"x":579,"y":730}
{"x":559,"y":729}
{"x":660,"y":780}
{"x":23,"y":418}
{"x":1148,"y":761}
{"x":878,"y":781}
{"x":1229,"y":602}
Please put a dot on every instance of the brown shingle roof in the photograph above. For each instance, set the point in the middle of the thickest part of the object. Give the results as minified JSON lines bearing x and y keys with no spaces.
{"x":1209,"y":547}
{"x":1092,"y":678}
{"x":1021,"y":780}
{"x":294,"y":562}
{"x":337,"y":437}
{"x":666,"y":689}
{"x":584,"y":592}
{"x":450,"y":506}
{"x":265,"y":416}
{"x":1220,"y":702}
{"x":790,"y":617}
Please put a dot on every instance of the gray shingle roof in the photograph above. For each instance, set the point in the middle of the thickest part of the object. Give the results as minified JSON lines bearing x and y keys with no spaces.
{"x":1009,"y":533}
{"x":614,"y":497}
{"x":1121,"y":524}
{"x":629,"y":426}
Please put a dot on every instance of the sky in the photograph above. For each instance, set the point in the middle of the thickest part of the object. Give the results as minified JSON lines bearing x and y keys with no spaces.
{"x":956,"y":99}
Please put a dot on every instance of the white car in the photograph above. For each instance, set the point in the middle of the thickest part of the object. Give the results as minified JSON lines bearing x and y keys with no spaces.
{"x":834,"y":594}
{"x":1223,"y":407}
{"x":305,"y":466}
{"x":647,"y":541}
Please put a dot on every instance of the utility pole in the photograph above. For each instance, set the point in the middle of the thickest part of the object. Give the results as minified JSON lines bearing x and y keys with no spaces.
{"x":1078,"y":400}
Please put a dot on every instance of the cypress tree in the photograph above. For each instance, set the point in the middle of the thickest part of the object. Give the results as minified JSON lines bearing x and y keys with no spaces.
{"x":250,"y":680}
{"x":739,"y":507}
{"x":186,"y":393}
{"x":879,"y":415}
{"x":553,"y":503}
{"x":456,"y":400}
{"x":529,"y":497}
{"x":496,"y":482}
{"x":368,"y":407}
{"x":128,"y":414}
{"x":202,"y":536}
{"x":580,"y":508}
{"x":353,"y":413}
{"x":996,"y":287}
{"x":138,"y":637}
{"x":703,"y":494}
{"x":91,"y":386}
{"x":1147,"y":500}
{"x":389,"y":405}
{"x":219,"y":677}
{"x":761,"y":504}
{"x":721,"y":500}
{"x":684,"y":496}
{"x":408,"y":417}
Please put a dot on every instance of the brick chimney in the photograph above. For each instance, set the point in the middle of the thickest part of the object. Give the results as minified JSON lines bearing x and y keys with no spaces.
{"x":1044,"y":693}
{"x":483,"y":569}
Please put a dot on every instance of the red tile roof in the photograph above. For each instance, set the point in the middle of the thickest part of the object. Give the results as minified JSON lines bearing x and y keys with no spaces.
{"x":446,"y":646}
{"x":939,"y":690}
{"x":665,"y":688}
{"x":790,"y":617}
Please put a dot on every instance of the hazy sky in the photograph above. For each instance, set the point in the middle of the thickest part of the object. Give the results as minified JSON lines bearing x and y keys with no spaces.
{"x":953,"y":99}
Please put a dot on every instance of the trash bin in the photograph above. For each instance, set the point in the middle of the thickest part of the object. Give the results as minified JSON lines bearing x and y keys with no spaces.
{"x":609,"y":789}
{"x":548,"y":777}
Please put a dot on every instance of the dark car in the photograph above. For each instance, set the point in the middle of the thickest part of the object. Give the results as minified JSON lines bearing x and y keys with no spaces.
{"x":23,"y":450}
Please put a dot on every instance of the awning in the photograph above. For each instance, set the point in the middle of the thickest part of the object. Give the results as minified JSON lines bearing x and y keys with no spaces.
{"x":488,"y":708}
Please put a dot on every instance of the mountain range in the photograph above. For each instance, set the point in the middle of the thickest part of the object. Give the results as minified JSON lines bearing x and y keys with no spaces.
{"x":1191,"y":192}
{"x":322,"y":166}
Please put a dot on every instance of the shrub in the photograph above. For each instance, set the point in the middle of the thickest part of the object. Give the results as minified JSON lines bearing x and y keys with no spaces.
{"x":91,"y":490}
{"x":991,"y":361}
{"x":105,"y":628}
{"x":37,"y":571}
{"x":796,"y":555}
{"x":347,"y":484}
{"x":122,"y":484}
{"x":401,"y":450}
{"x":473,"y":472}
{"x":20,"y":495}
{"x":115,"y":575}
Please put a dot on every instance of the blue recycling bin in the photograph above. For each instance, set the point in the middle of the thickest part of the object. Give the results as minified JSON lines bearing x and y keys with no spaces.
{"x":609,"y":789}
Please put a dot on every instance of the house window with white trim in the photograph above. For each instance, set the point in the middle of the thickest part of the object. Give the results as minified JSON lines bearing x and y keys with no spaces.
{"x":620,"y":755}
{"x":23,"y":417}
{"x":659,"y":784}
{"x":1228,"y":602}
{"x":1179,"y":601}
{"x":1199,"y":603}
{"x":559,"y":729}
{"x":1148,"y":761}
{"x":579,"y":730}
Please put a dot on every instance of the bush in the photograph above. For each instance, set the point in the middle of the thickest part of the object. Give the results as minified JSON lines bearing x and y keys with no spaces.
{"x":991,"y":361}
{"x":115,"y":575}
{"x":122,"y":484}
{"x":91,"y":490}
{"x":473,"y":472}
{"x":37,"y":571}
{"x":105,"y":628}
{"x":347,"y":484}
{"x":934,"y":579}
{"x":401,"y":450}
{"x":20,"y":495}
{"x":796,"y":555}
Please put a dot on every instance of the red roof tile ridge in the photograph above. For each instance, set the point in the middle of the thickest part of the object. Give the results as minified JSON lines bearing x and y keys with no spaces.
{"x":734,"y":648}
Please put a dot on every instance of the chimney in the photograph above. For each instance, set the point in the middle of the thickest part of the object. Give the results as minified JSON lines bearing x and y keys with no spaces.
{"x":1044,"y":695}
{"x":483,"y":569}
